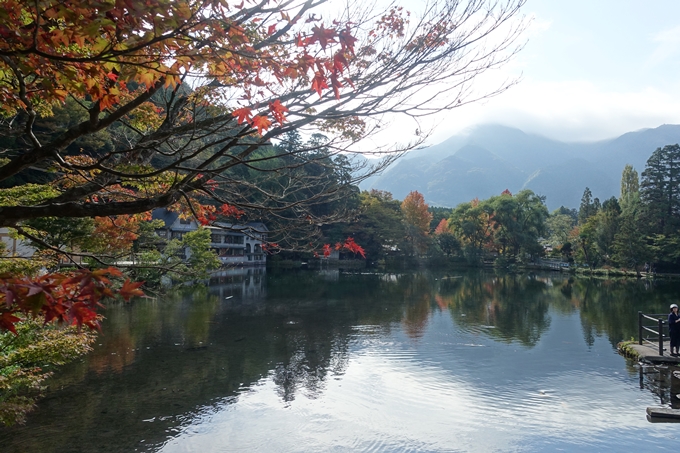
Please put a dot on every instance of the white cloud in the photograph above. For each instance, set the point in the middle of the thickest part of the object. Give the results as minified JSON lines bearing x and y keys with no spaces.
{"x":602,"y":99}
{"x":576,"y":110}
{"x":573,"y":110}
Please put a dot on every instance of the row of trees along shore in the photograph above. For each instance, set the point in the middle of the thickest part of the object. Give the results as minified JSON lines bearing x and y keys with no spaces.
{"x":637,"y":231}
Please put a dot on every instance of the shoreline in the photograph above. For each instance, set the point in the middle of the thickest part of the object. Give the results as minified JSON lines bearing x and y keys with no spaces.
{"x":512,"y":268}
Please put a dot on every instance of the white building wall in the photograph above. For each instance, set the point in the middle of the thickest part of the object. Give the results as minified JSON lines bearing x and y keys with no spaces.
{"x":16,"y":247}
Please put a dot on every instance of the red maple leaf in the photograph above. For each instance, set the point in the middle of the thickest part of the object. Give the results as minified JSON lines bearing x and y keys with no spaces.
{"x":243,"y":114}
{"x":322,"y":35}
{"x":354,"y":247}
{"x":231,"y":211}
{"x":278,"y":111}
{"x":340,"y":62}
{"x":7,"y":321}
{"x":319,"y":83}
{"x":336,"y":85}
{"x":261,"y":123}
{"x":131,"y":289}
{"x":347,"y":40}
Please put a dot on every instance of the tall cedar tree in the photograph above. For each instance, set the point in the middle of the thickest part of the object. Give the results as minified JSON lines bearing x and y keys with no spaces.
{"x":660,"y":190}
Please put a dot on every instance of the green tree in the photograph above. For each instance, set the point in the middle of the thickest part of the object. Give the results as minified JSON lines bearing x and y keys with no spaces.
{"x":583,"y":239}
{"x":378,"y":227}
{"x":631,"y":247}
{"x":519,"y":222}
{"x":558,"y":227}
{"x":448,"y":243}
{"x":188,"y":259}
{"x":630,"y":187}
{"x":658,"y":216}
{"x":607,"y":226}
{"x":471,"y":223}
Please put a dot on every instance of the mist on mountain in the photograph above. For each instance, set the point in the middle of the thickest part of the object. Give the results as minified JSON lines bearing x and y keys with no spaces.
{"x":487,"y":159}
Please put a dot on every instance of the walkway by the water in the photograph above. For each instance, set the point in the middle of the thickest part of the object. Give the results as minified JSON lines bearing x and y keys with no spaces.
{"x":649,"y":353}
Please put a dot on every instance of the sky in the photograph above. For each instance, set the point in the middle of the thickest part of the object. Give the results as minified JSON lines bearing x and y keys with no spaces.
{"x":590,"y":70}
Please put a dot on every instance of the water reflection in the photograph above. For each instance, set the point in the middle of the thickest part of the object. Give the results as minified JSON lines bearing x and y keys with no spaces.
{"x":165,"y":367}
{"x":246,"y":283}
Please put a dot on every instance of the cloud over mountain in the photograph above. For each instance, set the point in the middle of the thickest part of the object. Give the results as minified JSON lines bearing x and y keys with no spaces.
{"x":487,"y":159}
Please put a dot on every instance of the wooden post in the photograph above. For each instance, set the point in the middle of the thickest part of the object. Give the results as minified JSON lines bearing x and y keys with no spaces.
{"x":661,"y":337}
{"x":640,"y":328}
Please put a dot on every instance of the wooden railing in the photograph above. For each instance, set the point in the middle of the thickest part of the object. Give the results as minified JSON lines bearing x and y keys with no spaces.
{"x":653,"y":324}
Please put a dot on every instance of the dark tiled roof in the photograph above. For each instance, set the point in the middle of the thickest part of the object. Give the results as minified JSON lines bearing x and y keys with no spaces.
{"x":256,"y":226}
{"x":168,"y":217}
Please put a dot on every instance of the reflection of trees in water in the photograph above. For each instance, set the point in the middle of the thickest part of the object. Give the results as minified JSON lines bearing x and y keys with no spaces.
{"x":416,"y":315}
{"x":610,"y":306}
{"x":181,"y":318}
{"x":205,"y":349}
{"x":418,"y":292}
{"x":309,"y":366}
{"x":515,"y":305}
{"x":316,"y":317}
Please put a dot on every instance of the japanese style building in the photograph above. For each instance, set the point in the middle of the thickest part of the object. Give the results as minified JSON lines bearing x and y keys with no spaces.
{"x":235,"y":244}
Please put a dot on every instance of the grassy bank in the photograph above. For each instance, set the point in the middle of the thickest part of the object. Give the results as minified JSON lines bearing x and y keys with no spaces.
{"x":625,"y":350}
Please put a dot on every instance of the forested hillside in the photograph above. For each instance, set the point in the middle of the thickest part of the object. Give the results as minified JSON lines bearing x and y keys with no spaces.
{"x":488,"y":159}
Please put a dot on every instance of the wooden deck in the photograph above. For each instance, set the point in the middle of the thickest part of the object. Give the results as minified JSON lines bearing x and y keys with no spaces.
{"x":650,"y":354}
{"x":663,"y":415}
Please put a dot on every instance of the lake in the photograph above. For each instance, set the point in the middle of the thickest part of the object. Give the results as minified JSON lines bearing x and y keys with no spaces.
{"x":317,"y":361}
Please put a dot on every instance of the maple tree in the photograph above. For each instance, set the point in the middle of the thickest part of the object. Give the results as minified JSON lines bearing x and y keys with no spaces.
{"x":442,"y":227}
{"x":68,"y":298}
{"x":415,"y":211}
{"x":193,"y":89}
{"x":417,"y":220}
{"x":349,"y":245}
{"x":180,"y":101}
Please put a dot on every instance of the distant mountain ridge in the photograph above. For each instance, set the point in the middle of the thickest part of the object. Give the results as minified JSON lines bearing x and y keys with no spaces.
{"x":487,"y":159}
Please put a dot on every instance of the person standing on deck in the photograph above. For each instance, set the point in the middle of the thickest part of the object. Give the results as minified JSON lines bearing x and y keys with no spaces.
{"x":674,"y":330}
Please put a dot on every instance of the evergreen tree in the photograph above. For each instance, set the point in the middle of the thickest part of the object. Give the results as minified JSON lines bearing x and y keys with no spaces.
{"x":660,"y":191}
{"x":588,"y":208}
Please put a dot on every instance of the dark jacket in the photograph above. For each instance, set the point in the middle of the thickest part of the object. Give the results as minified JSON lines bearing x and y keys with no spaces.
{"x":673,"y":326}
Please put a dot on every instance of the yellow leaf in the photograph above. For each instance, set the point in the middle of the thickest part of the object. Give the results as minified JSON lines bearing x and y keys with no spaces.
{"x":147,"y":78}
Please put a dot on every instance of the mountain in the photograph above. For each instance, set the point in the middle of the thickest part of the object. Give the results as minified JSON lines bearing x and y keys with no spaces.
{"x":487,"y":159}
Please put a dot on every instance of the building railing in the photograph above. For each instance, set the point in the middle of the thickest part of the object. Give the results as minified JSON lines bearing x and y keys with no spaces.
{"x":653,"y":324}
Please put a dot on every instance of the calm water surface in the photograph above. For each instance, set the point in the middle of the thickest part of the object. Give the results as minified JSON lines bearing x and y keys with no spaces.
{"x":329,"y":361}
